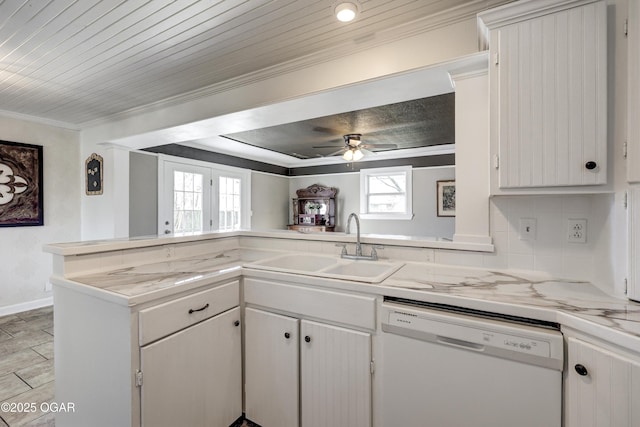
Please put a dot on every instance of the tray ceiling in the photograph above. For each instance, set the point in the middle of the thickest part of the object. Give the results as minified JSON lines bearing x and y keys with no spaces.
{"x":80,"y":61}
{"x":412,"y":124}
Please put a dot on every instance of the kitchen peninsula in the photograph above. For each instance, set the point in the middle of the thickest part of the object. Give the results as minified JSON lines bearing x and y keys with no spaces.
{"x":125,"y":309}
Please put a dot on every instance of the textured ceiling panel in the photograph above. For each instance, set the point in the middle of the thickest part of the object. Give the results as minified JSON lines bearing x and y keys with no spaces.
{"x":411,"y":124}
{"x":76,"y":61}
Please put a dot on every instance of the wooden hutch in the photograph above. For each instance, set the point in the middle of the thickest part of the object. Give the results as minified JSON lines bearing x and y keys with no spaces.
{"x":314,"y":209}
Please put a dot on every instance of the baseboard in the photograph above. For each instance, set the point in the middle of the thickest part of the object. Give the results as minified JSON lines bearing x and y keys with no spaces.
{"x":26,"y":306}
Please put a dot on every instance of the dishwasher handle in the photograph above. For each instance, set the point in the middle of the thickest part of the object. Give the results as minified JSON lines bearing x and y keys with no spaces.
{"x":459,"y":343}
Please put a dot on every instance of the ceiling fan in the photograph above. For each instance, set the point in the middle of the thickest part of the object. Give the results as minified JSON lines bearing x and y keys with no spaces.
{"x":354,"y":149}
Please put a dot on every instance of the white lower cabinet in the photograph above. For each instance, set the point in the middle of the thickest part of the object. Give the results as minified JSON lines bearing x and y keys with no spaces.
{"x":602,"y":388}
{"x":300,"y":372}
{"x":171,"y":361}
{"x":271,"y":368}
{"x":193,"y":377}
{"x":335,"y":377}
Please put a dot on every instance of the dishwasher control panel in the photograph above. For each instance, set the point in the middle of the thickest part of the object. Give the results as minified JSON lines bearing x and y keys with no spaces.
{"x":474,"y":333}
{"x":448,"y":332}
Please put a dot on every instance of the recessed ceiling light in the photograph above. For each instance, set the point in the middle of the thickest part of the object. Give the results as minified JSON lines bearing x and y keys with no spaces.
{"x":346,"y":12}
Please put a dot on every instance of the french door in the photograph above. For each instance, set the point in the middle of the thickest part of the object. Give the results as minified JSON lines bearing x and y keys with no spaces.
{"x":185,"y":202}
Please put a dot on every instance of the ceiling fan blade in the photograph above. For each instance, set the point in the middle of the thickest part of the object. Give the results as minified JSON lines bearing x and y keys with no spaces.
{"x":334,"y":153}
{"x":374,"y":145}
{"x":328,"y":146}
{"x":367,"y":152}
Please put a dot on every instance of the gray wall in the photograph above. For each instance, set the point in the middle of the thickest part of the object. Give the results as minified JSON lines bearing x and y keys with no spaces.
{"x":143,"y":194}
{"x":425,"y":221}
{"x":269,"y":201}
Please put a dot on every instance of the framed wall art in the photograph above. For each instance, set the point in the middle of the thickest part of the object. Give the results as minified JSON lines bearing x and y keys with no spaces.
{"x":93,"y":173}
{"x":21,"y":187}
{"x":446,"y":191}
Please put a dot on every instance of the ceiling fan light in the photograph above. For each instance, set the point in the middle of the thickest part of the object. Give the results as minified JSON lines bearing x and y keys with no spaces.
{"x":357,"y":155}
{"x":348,"y":155}
{"x":346,"y":12}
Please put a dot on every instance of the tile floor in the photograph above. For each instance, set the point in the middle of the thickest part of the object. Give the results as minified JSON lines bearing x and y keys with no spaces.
{"x":26,"y":366}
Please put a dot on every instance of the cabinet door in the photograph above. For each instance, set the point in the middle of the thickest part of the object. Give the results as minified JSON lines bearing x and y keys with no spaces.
{"x":335,"y":376}
{"x":633,"y":243}
{"x":194,"y":377}
{"x":608,"y":391}
{"x":633,"y":93}
{"x":549,"y":98}
{"x":271,"y":369}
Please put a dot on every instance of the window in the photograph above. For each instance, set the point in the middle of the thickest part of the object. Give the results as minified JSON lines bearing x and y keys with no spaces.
{"x":229,"y":204}
{"x":188,"y":194}
{"x":386,"y":193}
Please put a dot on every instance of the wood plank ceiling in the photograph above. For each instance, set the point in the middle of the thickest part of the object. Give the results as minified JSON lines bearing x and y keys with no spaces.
{"x":78,"y":61}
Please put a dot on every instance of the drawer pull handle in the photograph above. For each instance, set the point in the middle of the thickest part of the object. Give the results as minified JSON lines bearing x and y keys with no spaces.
{"x":191,"y":310}
{"x":236,"y":323}
{"x":307,"y":339}
{"x":287,"y":335}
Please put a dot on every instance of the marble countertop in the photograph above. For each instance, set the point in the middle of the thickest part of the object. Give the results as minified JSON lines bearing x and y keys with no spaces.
{"x":575,"y":304}
{"x":95,"y":246}
{"x":525,"y":294}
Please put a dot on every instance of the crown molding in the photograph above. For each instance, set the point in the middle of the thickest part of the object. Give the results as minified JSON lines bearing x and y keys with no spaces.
{"x":40,"y":120}
{"x":525,"y":10}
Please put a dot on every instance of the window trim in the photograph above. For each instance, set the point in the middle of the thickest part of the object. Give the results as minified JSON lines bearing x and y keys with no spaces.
{"x":408,"y":211}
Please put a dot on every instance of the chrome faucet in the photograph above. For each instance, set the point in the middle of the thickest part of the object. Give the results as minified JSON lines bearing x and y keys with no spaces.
{"x":358,"y":254}
{"x":348,"y":231}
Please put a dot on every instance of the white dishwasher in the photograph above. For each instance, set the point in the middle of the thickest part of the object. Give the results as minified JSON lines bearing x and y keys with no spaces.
{"x":447,"y":368}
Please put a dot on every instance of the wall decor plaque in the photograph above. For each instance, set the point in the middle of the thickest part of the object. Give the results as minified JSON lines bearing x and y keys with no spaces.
{"x":446,"y":198}
{"x":21,"y":193}
{"x":93,"y":172}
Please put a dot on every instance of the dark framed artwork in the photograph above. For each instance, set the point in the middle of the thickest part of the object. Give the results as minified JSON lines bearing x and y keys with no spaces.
{"x":21,"y":192}
{"x":446,"y":191}
{"x":93,"y":173}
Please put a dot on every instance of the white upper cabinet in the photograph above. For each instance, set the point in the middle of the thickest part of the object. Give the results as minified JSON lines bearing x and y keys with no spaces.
{"x":633,"y":133}
{"x":548,"y":85}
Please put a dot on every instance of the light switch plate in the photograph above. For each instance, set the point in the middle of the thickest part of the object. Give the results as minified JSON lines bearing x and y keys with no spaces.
{"x":527,"y":229}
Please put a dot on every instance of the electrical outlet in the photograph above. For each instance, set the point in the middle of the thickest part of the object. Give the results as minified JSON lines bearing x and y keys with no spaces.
{"x":577,"y":230}
{"x":527,"y":229}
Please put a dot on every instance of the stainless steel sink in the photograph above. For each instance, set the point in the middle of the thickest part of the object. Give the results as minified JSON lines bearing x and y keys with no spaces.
{"x":330,"y":267}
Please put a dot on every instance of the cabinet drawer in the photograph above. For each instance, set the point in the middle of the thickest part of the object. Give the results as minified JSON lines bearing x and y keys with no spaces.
{"x":164,"y":319}
{"x":333,"y":306}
